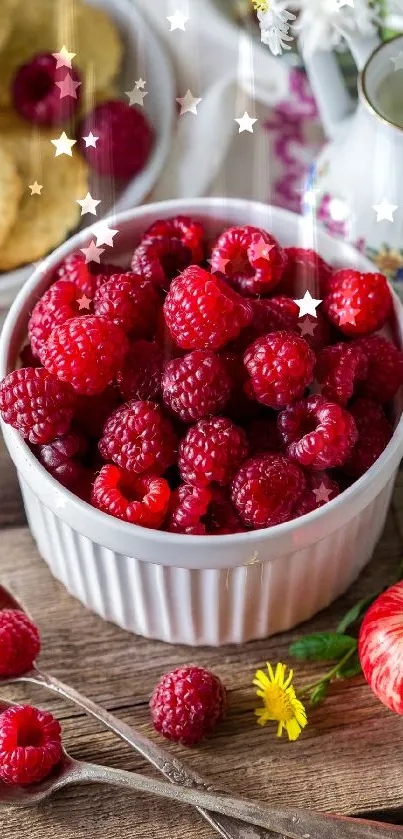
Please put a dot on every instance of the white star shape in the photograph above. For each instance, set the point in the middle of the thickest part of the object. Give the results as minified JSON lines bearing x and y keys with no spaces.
{"x":307,"y":305}
{"x":90,"y":140}
{"x":398,"y":60}
{"x":68,"y":87}
{"x":63,"y":58}
{"x":188,"y":103}
{"x":307,"y":327}
{"x":92,"y":253}
{"x":104,"y":234}
{"x":136,"y":96}
{"x":218,"y":264}
{"x":140,"y":84}
{"x":178,"y":20}
{"x":245,"y":123}
{"x":63,"y":145}
{"x":261,"y":250}
{"x":84,"y":302}
{"x":384,"y":210}
{"x":322,"y":494}
{"x":36,"y":188}
{"x":88,"y":204}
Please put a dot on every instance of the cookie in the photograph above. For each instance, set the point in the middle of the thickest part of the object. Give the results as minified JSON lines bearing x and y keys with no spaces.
{"x":10,"y":193}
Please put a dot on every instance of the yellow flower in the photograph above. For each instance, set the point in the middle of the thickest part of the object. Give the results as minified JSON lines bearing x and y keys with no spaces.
{"x":261,"y":5}
{"x":389,"y":261}
{"x":280,"y":701}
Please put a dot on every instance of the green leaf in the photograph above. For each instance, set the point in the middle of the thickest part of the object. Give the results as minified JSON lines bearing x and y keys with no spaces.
{"x":324,"y":646}
{"x":355,"y":612}
{"x":318,"y":694}
{"x":352,"y":667}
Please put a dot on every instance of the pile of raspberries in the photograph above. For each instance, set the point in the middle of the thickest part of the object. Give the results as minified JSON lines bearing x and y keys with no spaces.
{"x":189,"y":395}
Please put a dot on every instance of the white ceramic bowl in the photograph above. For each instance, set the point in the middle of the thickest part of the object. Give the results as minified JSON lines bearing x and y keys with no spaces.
{"x":213,"y":589}
{"x":143,"y":56}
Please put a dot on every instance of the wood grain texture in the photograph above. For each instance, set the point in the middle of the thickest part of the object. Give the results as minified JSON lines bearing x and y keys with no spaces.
{"x":348,"y":759}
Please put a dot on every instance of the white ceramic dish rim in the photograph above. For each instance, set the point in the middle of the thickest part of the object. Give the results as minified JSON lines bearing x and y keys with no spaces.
{"x":25,"y":460}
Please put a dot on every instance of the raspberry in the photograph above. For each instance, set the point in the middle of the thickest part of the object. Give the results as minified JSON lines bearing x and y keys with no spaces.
{"x":250,"y":258}
{"x":239,"y":408}
{"x":220,"y":518}
{"x":160,"y":259}
{"x":36,"y":96}
{"x":338,"y":369}
{"x":357,"y":303}
{"x":88,"y":277}
{"x":19,"y":643}
{"x":321,"y":489}
{"x":125,"y":139}
{"x":318,"y":434}
{"x":305,"y":271}
{"x":164,"y":339}
{"x":212,"y":451}
{"x":385,"y":368}
{"x":30,"y":745}
{"x":37,"y":404}
{"x":263,"y":435}
{"x":141,"y":374}
{"x":187,"y":230}
{"x":92,"y":411}
{"x":266,"y":490}
{"x":280,"y":366}
{"x":187,"y":508}
{"x":87,"y":352}
{"x":138,"y":438}
{"x":316,"y":331}
{"x":58,"y":304}
{"x":138,"y":499}
{"x":202,"y":312}
{"x":130,"y":302}
{"x":62,"y":458}
{"x":187,"y":704}
{"x":196,"y":385}
{"x":374,"y":433}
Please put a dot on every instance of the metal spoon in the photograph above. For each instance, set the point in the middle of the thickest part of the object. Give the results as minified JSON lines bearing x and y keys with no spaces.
{"x":292,"y":823}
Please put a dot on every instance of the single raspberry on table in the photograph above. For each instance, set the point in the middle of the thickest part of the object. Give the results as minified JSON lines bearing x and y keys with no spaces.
{"x":203,"y":312}
{"x":61,"y":458}
{"x":88,"y":277}
{"x":305,"y":271}
{"x":339,"y":369}
{"x":196,"y":385}
{"x":212,"y":451}
{"x":30,"y":745}
{"x":125,"y":139}
{"x":86,"y":352}
{"x":139,"y":438}
{"x":187,"y":230}
{"x":19,"y":643}
{"x":320,"y":489}
{"x":141,"y":374}
{"x":187,"y":509}
{"x":266,"y":490}
{"x":130,"y":302}
{"x":250,"y":258}
{"x":385,"y":368}
{"x":159,"y":259}
{"x":374,"y":434}
{"x":36,"y":94}
{"x":263,"y":435}
{"x":187,"y":705}
{"x":318,"y":434}
{"x":60,"y":303}
{"x":357,"y":303}
{"x":280,"y":367}
{"x":138,"y":499}
{"x":37,"y":404}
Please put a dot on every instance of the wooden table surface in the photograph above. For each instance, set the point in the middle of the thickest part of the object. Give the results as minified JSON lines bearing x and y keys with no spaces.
{"x":348,"y":759}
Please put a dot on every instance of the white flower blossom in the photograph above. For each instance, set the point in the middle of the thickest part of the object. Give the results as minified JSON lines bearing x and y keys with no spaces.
{"x":322,"y":22}
{"x":275,"y":25}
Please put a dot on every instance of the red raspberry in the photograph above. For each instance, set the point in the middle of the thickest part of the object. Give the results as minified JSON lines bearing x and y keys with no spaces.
{"x":202,"y":312}
{"x":196,"y":385}
{"x":189,"y":231}
{"x":374,"y":433}
{"x":125,"y":139}
{"x":250,"y":258}
{"x":59,"y":303}
{"x":160,"y":259}
{"x":212,"y":451}
{"x":138,"y":499}
{"x":62,"y":458}
{"x":263,"y":435}
{"x":305,"y":271}
{"x":19,"y":643}
{"x":187,"y":510}
{"x":130,"y":302}
{"x":138,"y":438}
{"x":220,"y":518}
{"x":30,"y":745}
{"x":92,"y":411}
{"x":280,"y":366}
{"x":338,"y":369}
{"x":36,"y":95}
{"x":141,"y":374}
{"x":266,"y":490}
{"x":187,"y":704}
{"x":316,"y":331}
{"x":357,"y":303}
{"x":318,"y":434}
{"x":87,"y":352}
{"x":37,"y":404}
{"x":385,"y":368}
{"x":321,"y":489}
{"x":88,"y":277}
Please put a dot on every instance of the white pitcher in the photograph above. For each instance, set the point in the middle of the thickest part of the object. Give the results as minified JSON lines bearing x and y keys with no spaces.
{"x":356,"y":185}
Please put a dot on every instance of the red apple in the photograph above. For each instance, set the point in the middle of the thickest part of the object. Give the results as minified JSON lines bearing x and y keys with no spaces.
{"x":380,"y":647}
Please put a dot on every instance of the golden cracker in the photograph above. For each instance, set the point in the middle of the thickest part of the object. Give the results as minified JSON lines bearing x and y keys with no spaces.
{"x":10,"y":192}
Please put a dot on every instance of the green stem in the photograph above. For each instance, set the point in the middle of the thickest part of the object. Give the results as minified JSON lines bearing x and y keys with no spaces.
{"x":329,"y":676}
